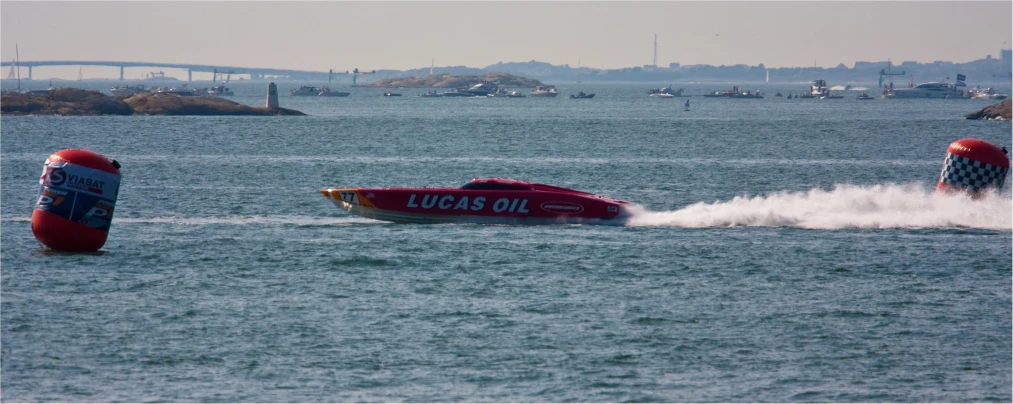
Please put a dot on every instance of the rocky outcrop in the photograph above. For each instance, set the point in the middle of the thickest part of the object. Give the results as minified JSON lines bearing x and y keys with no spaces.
{"x":64,"y":101}
{"x":1000,"y":110}
{"x":172,"y":104}
{"x":73,"y":101}
{"x":456,"y":81}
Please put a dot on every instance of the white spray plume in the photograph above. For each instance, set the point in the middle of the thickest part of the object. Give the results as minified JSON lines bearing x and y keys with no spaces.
{"x":843,"y":207}
{"x":842,"y":88}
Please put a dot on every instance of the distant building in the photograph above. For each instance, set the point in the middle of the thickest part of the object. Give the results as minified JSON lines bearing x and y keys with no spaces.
{"x":1006,"y":55}
{"x":673,"y":66}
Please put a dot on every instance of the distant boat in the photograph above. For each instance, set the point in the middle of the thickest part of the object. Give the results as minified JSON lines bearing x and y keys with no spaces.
{"x":456,"y":93}
{"x":37,"y":92}
{"x":125,"y":91}
{"x":390,"y":94}
{"x":665,"y":90}
{"x":865,"y":96}
{"x":986,"y":94}
{"x":221,"y":91}
{"x":501,"y":93}
{"x":927,"y":90}
{"x":181,"y":91}
{"x":544,"y":91}
{"x":687,"y":105}
{"x":818,"y":89}
{"x":327,"y":92}
{"x":735,"y":92}
{"x":581,"y":95}
{"x":10,"y":73}
{"x":481,"y":89}
{"x":17,"y":62}
{"x":305,"y":91}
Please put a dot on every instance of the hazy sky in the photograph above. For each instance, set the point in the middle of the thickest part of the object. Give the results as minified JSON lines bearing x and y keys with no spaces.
{"x":402,"y":35}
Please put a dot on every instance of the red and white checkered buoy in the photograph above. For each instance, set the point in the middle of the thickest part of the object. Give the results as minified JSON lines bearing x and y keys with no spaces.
{"x":973,"y":166}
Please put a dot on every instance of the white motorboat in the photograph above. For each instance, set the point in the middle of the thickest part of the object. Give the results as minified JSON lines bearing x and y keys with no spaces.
{"x":818,"y":89}
{"x":986,"y":94}
{"x":126,"y":91}
{"x":182,"y":91}
{"x":666,"y":90}
{"x":221,"y":91}
{"x":306,"y":91}
{"x":544,"y":91}
{"x":927,"y":90}
{"x":506,"y":94}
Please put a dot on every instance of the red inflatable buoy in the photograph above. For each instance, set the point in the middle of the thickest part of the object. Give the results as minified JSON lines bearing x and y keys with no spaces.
{"x":76,"y":201}
{"x":972,"y":166}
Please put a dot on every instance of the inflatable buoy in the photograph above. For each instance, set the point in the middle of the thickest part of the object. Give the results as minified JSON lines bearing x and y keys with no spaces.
{"x":76,"y":200}
{"x":972,"y":166}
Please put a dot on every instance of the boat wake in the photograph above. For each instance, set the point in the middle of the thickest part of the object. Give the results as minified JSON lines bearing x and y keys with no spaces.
{"x":843,"y":207}
{"x":842,"y":88}
{"x":241,"y":220}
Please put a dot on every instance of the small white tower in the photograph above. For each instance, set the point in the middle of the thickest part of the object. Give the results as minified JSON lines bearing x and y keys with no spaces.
{"x":272,"y":96}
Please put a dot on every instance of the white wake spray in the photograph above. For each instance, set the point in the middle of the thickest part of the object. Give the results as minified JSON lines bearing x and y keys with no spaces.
{"x":843,"y":207}
{"x":842,"y":88}
{"x":240,"y":220}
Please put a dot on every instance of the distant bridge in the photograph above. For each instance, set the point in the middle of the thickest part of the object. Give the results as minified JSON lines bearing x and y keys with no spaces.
{"x":255,"y":72}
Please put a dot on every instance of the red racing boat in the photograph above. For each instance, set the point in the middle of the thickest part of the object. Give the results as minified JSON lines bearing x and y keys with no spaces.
{"x":483,"y":200}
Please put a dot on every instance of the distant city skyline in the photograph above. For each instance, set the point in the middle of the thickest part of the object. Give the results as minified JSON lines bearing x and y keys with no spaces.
{"x":406,"y":35}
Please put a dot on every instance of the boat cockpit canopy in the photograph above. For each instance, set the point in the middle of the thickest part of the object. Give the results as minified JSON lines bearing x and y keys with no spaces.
{"x":497,"y":184}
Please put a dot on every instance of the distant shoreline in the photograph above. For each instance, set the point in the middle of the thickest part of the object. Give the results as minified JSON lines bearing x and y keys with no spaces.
{"x":984,"y":71}
{"x":456,"y":80}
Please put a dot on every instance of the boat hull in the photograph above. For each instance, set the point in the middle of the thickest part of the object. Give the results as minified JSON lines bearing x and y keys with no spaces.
{"x":454,"y":205}
{"x":922,"y":95}
{"x":125,"y":93}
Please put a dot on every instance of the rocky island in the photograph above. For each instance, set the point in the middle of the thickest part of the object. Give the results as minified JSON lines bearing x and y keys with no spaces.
{"x":1001,"y":110}
{"x":73,"y":101}
{"x":457,"y":81}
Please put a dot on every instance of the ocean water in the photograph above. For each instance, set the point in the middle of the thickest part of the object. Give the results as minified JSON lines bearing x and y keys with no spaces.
{"x":785,"y":250}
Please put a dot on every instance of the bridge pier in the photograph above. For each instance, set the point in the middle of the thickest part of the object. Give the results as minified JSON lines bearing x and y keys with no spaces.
{"x":121,"y":73}
{"x":189,"y":75}
{"x":29,"y":72}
